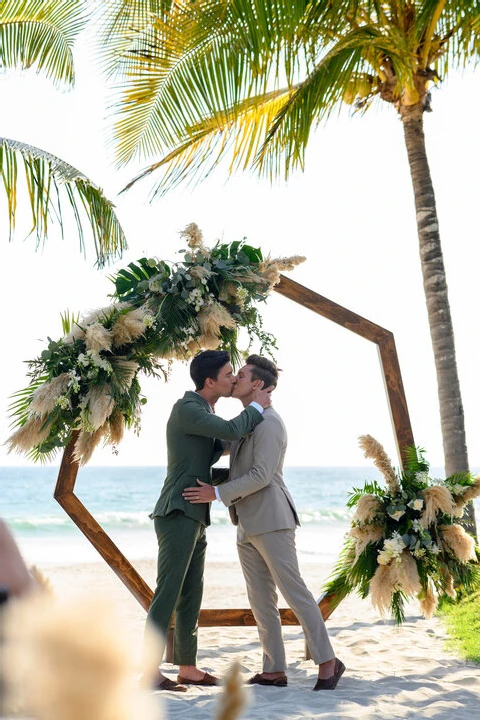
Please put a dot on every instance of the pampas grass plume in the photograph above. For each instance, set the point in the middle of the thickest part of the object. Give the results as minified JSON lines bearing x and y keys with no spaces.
{"x":438,"y":498}
{"x":86,"y":444}
{"x":232,"y":699}
{"x":368,"y":506}
{"x":102,"y":313}
{"x":116,"y":425}
{"x":213,"y":317}
{"x":364,"y":535}
{"x":206,"y":342}
{"x":372,"y":449}
{"x":472,"y":491}
{"x":129,"y":327}
{"x":28,"y":435}
{"x":100,"y":405}
{"x":97,"y":337}
{"x":68,"y":672}
{"x":45,"y":397}
{"x":460,"y":543}
{"x":429,"y":602}
{"x":404,"y":574}
{"x":194,"y":238}
{"x":381,"y":588}
{"x":76,"y":333}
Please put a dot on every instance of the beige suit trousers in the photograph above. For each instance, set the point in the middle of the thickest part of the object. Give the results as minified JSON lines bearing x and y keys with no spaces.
{"x":269,"y":561}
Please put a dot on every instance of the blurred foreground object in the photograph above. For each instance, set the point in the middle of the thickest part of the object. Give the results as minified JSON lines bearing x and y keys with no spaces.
{"x":70,"y":662}
{"x":15,"y":577}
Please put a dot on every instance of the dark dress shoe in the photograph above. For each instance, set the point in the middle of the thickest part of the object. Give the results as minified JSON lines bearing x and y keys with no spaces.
{"x":161,"y":684}
{"x":331,"y":682}
{"x":276,"y":682}
{"x":207,"y":680}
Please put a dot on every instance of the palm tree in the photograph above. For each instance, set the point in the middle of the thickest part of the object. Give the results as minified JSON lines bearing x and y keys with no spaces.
{"x":40,"y":34}
{"x":250,"y":79}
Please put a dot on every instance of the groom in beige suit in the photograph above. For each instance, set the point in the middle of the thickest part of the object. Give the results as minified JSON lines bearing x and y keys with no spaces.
{"x":263,"y":510}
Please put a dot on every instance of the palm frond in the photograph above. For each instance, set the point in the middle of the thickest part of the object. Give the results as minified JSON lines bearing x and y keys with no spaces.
{"x":20,"y":401}
{"x":191,"y":63}
{"x":119,"y":24}
{"x":69,"y":320}
{"x":415,"y":460}
{"x":369,"y":488}
{"x":40,"y":34}
{"x":191,"y":70}
{"x":48,"y":179}
{"x":235,"y":135}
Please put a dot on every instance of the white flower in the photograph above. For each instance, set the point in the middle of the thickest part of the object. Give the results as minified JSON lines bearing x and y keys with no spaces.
{"x":392,"y":549}
{"x":416,"y":504}
{"x":63,"y":402}
{"x":99,"y":361}
{"x":397,"y":515}
{"x":83,"y":360}
{"x":148,"y":320}
{"x":74,"y":381}
{"x":417,"y":526}
{"x":419,"y":552}
{"x":434,"y":549}
{"x":422,"y":477}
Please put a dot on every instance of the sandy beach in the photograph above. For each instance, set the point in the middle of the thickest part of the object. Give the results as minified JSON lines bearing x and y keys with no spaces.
{"x":392,"y":672}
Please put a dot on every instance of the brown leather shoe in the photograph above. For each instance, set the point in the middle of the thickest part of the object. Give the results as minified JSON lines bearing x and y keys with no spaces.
{"x":276,"y":682}
{"x":207,"y":680}
{"x":331,"y":682}
{"x":161,"y":684}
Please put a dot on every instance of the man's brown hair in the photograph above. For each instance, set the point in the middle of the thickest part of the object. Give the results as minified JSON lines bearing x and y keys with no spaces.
{"x":263,"y":369}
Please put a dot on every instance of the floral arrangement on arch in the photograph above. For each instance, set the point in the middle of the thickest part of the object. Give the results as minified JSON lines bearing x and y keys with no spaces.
{"x":405,"y":540}
{"x":87,"y":382}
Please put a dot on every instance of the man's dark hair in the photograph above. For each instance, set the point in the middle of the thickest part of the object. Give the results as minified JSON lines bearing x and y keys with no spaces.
{"x":207,"y":364}
{"x":263,"y":369}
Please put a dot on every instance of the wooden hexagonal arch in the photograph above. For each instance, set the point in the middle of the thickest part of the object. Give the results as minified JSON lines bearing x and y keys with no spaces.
{"x":222,"y":617}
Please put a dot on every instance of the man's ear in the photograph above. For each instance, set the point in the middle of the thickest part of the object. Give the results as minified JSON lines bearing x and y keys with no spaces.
{"x":257,"y":384}
{"x":209,"y":382}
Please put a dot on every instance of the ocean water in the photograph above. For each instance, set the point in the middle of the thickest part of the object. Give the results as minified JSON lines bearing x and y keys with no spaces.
{"x":121,"y":498}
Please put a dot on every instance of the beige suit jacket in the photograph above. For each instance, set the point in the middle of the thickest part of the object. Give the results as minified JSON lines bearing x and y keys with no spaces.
{"x":255,"y":494}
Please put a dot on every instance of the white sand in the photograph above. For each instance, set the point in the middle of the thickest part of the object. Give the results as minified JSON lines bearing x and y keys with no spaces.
{"x":391,"y":672}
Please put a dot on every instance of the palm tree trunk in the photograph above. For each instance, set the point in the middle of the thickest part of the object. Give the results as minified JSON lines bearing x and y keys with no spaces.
{"x":438,"y":307}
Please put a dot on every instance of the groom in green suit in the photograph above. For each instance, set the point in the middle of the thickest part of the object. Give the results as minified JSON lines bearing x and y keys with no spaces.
{"x":194,"y":435}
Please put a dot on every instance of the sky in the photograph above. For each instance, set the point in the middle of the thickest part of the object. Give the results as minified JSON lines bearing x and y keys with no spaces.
{"x":351,"y":213}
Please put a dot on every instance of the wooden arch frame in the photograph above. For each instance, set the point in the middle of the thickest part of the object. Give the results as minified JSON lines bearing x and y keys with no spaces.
{"x":242,"y":617}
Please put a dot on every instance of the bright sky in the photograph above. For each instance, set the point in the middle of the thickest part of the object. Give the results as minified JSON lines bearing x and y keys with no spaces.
{"x":351,"y":213}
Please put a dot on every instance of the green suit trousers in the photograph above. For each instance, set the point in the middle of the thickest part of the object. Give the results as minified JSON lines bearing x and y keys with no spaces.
{"x":182,"y":545}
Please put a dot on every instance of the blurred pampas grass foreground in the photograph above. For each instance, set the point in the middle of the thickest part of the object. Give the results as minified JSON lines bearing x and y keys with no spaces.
{"x":73,"y":662}
{"x":70,"y":662}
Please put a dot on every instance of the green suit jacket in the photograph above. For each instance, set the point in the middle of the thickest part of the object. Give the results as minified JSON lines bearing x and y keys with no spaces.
{"x":193,"y":444}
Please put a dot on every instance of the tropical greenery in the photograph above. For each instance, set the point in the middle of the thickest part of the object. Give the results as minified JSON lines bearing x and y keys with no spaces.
{"x":405,"y":540}
{"x":248,"y":81}
{"x":39,"y":35}
{"x":87,"y":381}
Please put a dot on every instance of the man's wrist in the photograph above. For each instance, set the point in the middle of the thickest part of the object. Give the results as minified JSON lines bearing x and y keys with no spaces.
{"x":257,"y":406}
